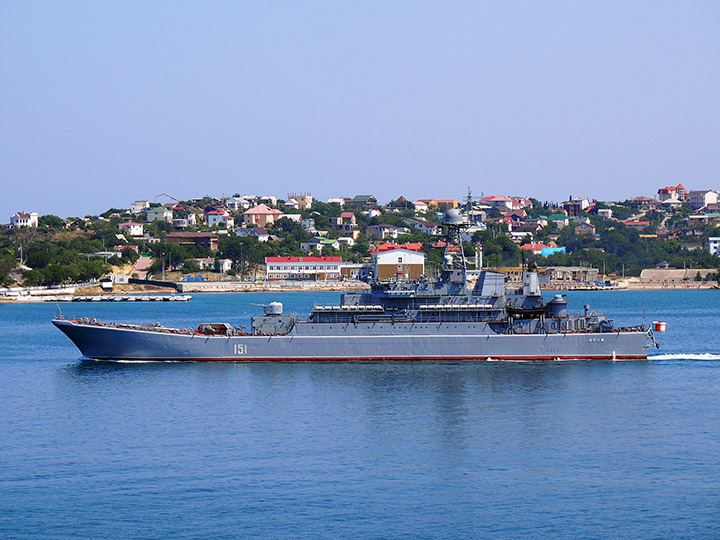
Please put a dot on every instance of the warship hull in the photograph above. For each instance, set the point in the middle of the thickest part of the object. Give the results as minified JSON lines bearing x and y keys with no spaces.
{"x":351,"y":342}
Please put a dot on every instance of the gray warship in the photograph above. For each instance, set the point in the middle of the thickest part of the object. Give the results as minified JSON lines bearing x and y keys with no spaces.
{"x":440,"y":320}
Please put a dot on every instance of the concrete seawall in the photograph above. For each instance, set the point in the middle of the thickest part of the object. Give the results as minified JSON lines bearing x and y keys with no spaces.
{"x":269,"y":286}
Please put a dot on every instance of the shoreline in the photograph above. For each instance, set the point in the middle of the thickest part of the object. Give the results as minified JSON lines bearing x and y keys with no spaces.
{"x":263,"y":287}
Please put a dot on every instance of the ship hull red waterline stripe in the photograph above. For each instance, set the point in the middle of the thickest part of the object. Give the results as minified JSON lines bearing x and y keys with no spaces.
{"x":386,"y":359}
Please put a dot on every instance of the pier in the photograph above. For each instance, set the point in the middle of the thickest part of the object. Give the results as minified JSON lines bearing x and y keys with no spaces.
{"x":105,"y":298}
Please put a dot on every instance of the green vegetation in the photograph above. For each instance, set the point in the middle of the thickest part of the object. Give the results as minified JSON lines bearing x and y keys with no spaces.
{"x":621,"y":249}
{"x":75,"y":249}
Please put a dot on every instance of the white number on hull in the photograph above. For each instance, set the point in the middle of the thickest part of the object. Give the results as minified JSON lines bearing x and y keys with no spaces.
{"x":240,"y":348}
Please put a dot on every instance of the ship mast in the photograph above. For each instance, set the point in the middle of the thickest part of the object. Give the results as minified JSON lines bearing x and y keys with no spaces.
{"x":454,"y":267}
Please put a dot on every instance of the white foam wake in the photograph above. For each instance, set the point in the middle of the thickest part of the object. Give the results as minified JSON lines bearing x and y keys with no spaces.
{"x":687,"y":356}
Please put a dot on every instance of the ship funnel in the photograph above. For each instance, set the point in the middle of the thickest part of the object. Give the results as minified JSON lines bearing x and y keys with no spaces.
{"x":274,"y":308}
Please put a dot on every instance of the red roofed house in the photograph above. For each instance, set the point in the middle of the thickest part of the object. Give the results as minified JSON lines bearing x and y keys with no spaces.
{"x":24,"y":219}
{"x":585,"y":228}
{"x":221,"y":218}
{"x":420,"y":206}
{"x":521,"y":202}
{"x":261,"y":215}
{"x":678,"y":192}
{"x":534,"y":248}
{"x":302,"y":268}
{"x":346,"y":222}
{"x":399,"y":264}
{"x":516,"y":215}
{"x":637,"y":224}
{"x":499,"y":201}
{"x":441,"y":244}
{"x":389,"y":246}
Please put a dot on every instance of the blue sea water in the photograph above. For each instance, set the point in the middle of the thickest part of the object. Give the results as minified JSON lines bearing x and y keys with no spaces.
{"x":574,"y":449}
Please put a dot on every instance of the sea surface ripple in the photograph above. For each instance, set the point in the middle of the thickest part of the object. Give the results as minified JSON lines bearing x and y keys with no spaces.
{"x":573,"y":449}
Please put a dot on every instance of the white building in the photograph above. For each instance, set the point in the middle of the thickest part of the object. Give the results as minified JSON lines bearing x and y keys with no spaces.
{"x":420,"y":206}
{"x":382,"y":231}
{"x":22,"y":219}
{"x":297,"y":218}
{"x":337,"y":200}
{"x":236,"y":204}
{"x":292,"y":204}
{"x":132,"y":229}
{"x":308,"y":224}
{"x":159,"y":213}
{"x":139,"y":206}
{"x":347,"y":241}
{"x":208,"y":263}
{"x":220,"y":218}
{"x":184,"y":223}
{"x":428,"y":227}
{"x":402,"y":264}
{"x":302,"y":268}
{"x":268,"y":198}
{"x":701,"y":198}
{"x":317,"y":243}
{"x":714,"y":245}
{"x":120,"y":279}
{"x":258,"y":232}
{"x":467,"y":234}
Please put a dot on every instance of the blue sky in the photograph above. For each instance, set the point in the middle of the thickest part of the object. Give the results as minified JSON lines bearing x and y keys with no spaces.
{"x":102,"y":103}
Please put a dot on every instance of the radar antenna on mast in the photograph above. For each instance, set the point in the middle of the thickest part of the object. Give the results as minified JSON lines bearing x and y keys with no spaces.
{"x":454,"y":268}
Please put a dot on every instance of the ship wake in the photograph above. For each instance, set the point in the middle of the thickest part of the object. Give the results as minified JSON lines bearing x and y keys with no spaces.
{"x":685,"y":356}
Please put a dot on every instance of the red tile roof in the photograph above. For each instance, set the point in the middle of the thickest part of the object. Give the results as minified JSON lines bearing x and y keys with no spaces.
{"x":533,"y":247}
{"x":262,"y":209}
{"x":389,"y":246}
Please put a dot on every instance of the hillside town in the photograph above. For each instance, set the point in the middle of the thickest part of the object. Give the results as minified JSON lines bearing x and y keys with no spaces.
{"x":210,"y":243}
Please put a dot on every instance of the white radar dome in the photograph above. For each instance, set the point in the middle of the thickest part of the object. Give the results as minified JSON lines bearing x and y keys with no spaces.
{"x":453,"y":217}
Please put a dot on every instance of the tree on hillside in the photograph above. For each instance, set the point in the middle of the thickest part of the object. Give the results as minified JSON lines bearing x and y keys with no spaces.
{"x":51,"y":222}
{"x":8,"y":263}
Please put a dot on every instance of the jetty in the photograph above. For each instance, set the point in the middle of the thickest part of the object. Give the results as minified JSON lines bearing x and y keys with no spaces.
{"x":105,"y":298}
